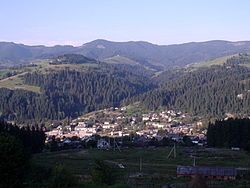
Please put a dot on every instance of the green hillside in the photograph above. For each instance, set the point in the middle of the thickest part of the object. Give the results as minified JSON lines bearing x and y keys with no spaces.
{"x":120,"y":60}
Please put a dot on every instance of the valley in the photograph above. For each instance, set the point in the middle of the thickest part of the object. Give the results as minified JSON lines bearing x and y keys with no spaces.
{"x":142,"y":120}
{"x":125,"y":94}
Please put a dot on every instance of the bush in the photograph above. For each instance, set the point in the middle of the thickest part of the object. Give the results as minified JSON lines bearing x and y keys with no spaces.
{"x":102,"y":173}
{"x":61,"y":178}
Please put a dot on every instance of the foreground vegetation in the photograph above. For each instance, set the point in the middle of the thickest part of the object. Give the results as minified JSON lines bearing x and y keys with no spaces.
{"x":22,"y":165}
{"x":156,"y":168}
{"x":230,"y":133}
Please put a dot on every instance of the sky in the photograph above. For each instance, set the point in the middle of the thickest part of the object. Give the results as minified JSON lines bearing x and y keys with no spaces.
{"x":74,"y":22}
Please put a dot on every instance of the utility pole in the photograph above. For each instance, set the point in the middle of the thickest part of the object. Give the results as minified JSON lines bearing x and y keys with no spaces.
{"x":140,"y":164}
{"x":173,"y":150}
{"x":116,"y":145}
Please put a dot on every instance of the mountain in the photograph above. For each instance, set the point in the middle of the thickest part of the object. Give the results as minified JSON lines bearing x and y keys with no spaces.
{"x":143,"y":53}
{"x":70,"y":85}
{"x":12,"y":53}
{"x":163,"y":55}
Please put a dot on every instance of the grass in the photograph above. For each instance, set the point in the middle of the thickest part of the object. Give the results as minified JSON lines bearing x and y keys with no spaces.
{"x":135,"y":109}
{"x":246,"y":65}
{"x":3,"y":72}
{"x":16,"y":82}
{"x":209,"y":63}
{"x":120,"y":60}
{"x":43,"y":67}
{"x":155,"y":163}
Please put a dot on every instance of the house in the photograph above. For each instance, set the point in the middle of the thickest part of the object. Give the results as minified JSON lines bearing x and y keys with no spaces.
{"x":158,"y":125}
{"x":87,"y":132}
{"x":80,"y":128}
{"x":145,"y":118}
{"x":68,"y":128}
{"x":81,"y":123}
{"x":54,"y":132}
{"x":103,"y":144}
{"x":218,"y":173}
{"x":59,"y":127}
{"x":106,"y":126}
{"x":116,"y":133}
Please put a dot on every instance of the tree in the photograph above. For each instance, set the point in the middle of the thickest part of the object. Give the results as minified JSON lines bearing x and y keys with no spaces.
{"x":13,"y":161}
{"x":187,"y":141}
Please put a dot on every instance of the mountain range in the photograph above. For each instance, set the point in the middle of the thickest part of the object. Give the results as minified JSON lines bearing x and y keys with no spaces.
{"x":142,"y":53}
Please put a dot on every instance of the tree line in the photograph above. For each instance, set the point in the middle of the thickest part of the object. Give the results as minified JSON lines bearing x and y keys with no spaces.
{"x":16,"y":146}
{"x":31,"y":138}
{"x":229,"y":133}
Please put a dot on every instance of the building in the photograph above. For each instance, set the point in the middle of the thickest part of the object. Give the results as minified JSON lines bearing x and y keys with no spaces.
{"x":103,"y":144}
{"x":80,"y":128}
{"x":218,"y":173}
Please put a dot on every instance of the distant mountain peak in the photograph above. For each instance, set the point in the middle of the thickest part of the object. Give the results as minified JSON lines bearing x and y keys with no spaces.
{"x":145,"y":53}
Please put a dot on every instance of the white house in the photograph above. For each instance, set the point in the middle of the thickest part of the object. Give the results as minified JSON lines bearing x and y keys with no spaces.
{"x":80,"y":128}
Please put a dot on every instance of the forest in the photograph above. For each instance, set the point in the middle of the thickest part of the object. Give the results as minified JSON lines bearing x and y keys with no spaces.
{"x":205,"y":92}
{"x":70,"y":93}
{"x":16,"y":147}
{"x":229,"y":133}
{"x":241,"y":59}
{"x":72,"y":59}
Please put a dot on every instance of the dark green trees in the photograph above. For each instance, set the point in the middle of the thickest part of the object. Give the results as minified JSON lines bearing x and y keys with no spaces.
{"x":69,"y":93}
{"x":13,"y":161}
{"x":32,"y":139}
{"x":229,"y":133}
{"x":16,"y":147}
{"x":207,"y":92}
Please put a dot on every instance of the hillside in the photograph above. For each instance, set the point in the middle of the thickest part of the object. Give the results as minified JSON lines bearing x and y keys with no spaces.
{"x":210,"y":92}
{"x":69,"y":92}
{"x":70,"y":85}
{"x":144,"y":53}
{"x":242,"y":59}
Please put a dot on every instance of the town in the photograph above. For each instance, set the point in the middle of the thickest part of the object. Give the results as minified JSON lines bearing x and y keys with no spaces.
{"x":120,"y":122}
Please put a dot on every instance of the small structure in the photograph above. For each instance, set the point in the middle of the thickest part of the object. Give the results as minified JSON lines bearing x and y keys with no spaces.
{"x":103,"y":144}
{"x":219,"y":173}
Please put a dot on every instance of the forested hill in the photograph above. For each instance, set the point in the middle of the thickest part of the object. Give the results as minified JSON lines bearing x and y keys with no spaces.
{"x":75,"y":85}
{"x":241,"y":59}
{"x":206,"y":92}
{"x":73,"y":59}
{"x":69,"y":93}
{"x":138,"y":52}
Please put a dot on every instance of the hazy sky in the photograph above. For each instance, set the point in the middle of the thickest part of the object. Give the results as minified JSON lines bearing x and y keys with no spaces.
{"x":75,"y":22}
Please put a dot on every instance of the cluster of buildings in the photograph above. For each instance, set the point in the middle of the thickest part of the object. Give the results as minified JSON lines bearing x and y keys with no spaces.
{"x":119,"y":122}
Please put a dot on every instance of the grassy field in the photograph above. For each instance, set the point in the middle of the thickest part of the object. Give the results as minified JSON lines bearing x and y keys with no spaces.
{"x":120,"y":60}
{"x":16,"y":82}
{"x":43,"y":67}
{"x":154,"y":161}
{"x":209,"y":63}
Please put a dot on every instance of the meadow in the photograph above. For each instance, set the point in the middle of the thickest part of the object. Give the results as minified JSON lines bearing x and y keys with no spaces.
{"x":147,"y":166}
